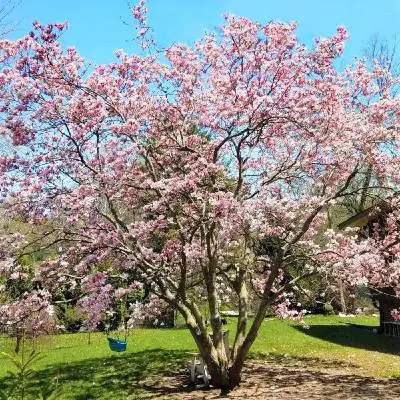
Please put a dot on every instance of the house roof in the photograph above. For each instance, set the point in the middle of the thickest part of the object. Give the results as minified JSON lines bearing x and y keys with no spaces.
{"x":362,"y":218}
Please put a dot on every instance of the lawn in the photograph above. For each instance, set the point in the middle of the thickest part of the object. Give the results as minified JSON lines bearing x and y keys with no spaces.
{"x":74,"y":369}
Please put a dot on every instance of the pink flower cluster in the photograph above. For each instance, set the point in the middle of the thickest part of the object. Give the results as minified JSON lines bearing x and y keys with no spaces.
{"x":168,"y":170}
{"x":31,"y":315}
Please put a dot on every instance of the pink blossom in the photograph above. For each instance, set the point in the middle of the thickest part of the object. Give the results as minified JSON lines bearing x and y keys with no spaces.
{"x":204,"y":174}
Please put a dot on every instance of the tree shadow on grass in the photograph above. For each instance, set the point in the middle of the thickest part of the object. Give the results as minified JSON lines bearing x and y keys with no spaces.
{"x":352,"y":335}
{"x":116,"y":377}
{"x":157,"y":373}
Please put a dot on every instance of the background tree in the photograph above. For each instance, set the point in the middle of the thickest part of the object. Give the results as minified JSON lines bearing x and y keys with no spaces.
{"x":7,"y":23}
{"x":380,"y":56}
{"x":25,"y":308}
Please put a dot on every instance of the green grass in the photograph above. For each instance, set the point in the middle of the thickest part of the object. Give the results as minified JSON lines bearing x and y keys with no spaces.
{"x":336,"y":339}
{"x":91,"y":371}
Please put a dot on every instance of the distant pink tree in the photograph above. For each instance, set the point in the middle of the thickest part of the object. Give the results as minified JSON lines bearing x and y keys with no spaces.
{"x":205,"y":175}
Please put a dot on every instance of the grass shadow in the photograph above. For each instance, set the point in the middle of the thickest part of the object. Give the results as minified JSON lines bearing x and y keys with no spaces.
{"x":353,"y":335}
{"x":121,"y":376}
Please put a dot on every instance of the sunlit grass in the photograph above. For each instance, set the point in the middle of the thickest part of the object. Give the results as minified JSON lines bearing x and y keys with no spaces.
{"x":91,"y":371}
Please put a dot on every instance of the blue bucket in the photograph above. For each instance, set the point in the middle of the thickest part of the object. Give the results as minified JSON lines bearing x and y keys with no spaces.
{"x":116,"y":344}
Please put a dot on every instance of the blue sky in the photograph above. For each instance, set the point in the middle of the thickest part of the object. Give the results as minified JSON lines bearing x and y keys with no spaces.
{"x":98,"y":27}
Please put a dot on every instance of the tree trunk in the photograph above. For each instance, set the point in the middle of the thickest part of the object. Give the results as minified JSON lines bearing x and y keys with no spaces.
{"x":224,"y":377}
{"x":220,"y":377}
{"x":342,"y":297}
{"x":18,"y":343}
{"x":226,"y":372}
{"x":217,"y":360}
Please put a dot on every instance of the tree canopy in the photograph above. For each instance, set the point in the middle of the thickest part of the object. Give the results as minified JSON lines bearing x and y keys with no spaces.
{"x":205,"y":175}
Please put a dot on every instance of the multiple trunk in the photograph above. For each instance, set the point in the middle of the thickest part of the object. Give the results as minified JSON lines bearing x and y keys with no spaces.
{"x":224,"y":365}
{"x":225,"y":373}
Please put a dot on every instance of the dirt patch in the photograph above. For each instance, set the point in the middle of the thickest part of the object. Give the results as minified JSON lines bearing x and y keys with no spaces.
{"x":297,"y":380}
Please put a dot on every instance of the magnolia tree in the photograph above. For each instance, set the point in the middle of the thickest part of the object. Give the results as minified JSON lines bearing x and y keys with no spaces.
{"x":204,"y":175}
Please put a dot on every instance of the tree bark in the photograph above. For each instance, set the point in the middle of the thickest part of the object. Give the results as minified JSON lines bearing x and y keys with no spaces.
{"x":342,"y":297}
{"x":225,"y":377}
{"x":18,"y":343}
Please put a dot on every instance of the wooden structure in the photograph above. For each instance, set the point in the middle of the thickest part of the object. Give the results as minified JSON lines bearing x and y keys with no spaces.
{"x":384,"y":299}
{"x":391,"y":328}
{"x":367,"y":218}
